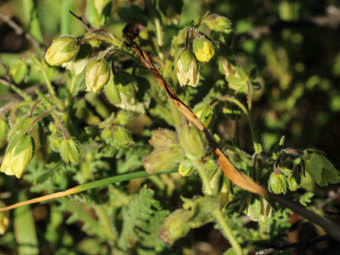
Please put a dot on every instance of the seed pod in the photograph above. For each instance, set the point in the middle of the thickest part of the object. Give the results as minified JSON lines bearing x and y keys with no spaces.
{"x":175,"y":226}
{"x":62,"y":50}
{"x":69,"y":151}
{"x":161,"y":138}
{"x":203,"y":49}
{"x":17,"y":156}
{"x":218,"y":23}
{"x":277,"y":183}
{"x":97,"y":74}
{"x":187,"y":69}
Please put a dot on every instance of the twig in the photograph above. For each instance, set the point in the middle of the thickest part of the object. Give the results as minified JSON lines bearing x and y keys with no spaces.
{"x":293,"y":245}
{"x":19,"y":31}
{"x":82,"y":20}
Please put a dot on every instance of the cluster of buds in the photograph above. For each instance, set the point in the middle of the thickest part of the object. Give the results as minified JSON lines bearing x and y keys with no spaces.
{"x":186,"y":66}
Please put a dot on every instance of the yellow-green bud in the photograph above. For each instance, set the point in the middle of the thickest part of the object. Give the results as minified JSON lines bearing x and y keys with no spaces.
{"x":69,"y":151}
{"x":3,"y":132}
{"x":192,"y":141}
{"x":17,"y":156}
{"x":292,"y":182}
{"x":204,"y":49}
{"x":4,"y":220}
{"x":218,"y":23}
{"x":277,"y":183}
{"x":62,"y":50}
{"x":122,"y":137}
{"x":187,"y":68}
{"x":175,"y":226}
{"x":97,"y":74}
{"x":226,"y":67}
{"x":163,"y":138}
{"x":162,"y":159}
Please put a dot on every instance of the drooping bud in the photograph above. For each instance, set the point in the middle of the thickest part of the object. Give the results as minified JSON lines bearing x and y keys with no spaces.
{"x":4,"y":220}
{"x":97,"y":74}
{"x":162,"y":159}
{"x":121,"y":136}
{"x":203,"y":49}
{"x":292,"y":181}
{"x":218,"y":23}
{"x":69,"y":151}
{"x":175,"y":226}
{"x":187,"y":68}
{"x":3,"y":132}
{"x":62,"y":50}
{"x":161,"y":138}
{"x":17,"y":156}
{"x":277,"y":183}
{"x":192,"y":142}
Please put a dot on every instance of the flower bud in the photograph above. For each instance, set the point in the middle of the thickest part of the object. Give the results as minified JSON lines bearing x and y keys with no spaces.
{"x":218,"y":23}
{"x":62,"y":50}
{"x":162,"y":159}
{"x":4,"y":220}
{"x":277,"y":183}
{"x":187,"y":69}
{"x":175,"y":226}
{"x":69,"y":151}
{"x":17,"y":156}
{"x":122,"y":137}
{"x":3,"y":132}
{"x":192,"y":142}
{"x":226,"y":67}
{"x":161,"y":138}
{"x":292,"y":182}
{"x":203,"y":49}
{"x":97,"y":74}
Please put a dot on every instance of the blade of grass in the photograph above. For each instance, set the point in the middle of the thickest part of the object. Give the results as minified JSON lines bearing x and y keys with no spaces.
{"x":87,"y":186}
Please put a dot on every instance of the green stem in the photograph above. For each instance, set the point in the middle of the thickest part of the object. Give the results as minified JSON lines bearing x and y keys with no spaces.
{"x":227,"y":231}
{"x":256,"y":145}
{"x":204,"y":177}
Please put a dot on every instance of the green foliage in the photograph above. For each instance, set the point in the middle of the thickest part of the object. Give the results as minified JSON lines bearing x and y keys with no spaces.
{"x":82,"y":108}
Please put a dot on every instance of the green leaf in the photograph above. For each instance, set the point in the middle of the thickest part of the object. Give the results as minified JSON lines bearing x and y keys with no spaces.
{"x":18,"y":71}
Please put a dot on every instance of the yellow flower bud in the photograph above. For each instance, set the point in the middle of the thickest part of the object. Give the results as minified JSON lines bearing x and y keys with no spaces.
{"x":97,"y":74}
{"x":187,"y":69}
{"x":62,"y":50}
{"x":17,"y":156}
{"x":203,"y":49}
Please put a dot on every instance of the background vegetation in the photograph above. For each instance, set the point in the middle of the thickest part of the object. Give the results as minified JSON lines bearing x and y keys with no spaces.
{"x":289,"y":52}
